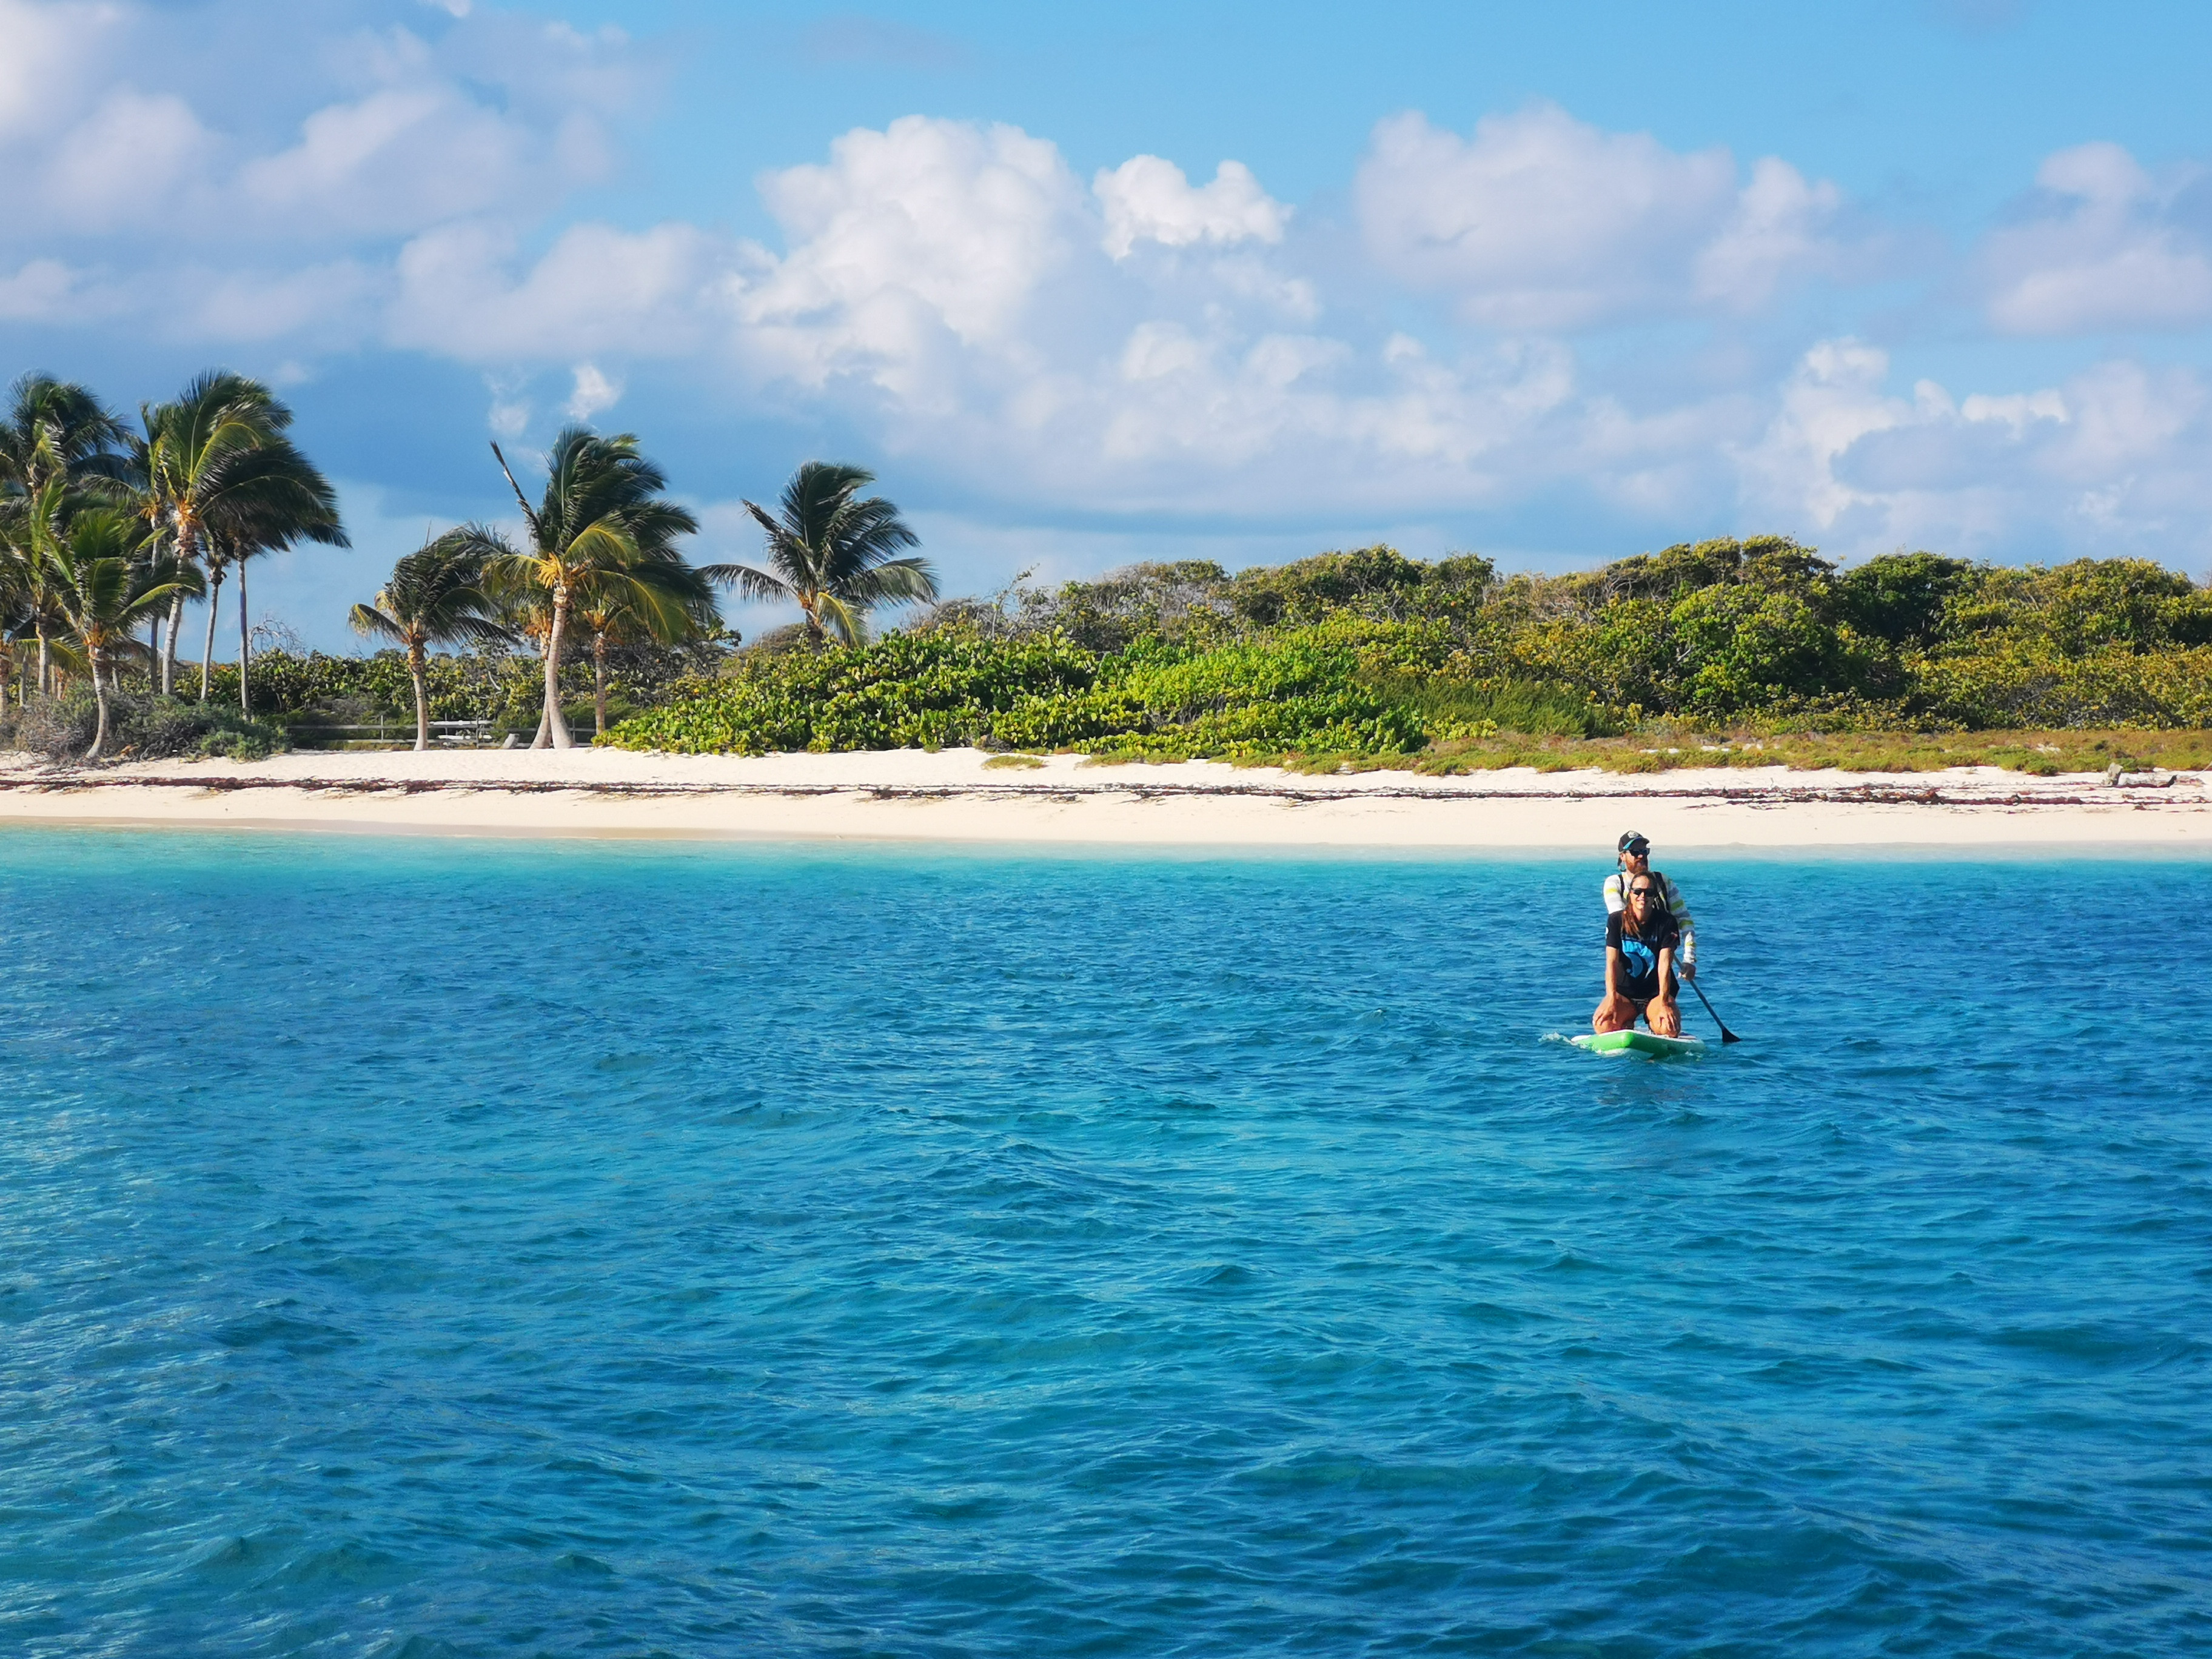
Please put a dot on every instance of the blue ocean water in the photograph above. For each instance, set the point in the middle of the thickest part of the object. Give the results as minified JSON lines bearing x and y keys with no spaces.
{"x":425,"y":1248}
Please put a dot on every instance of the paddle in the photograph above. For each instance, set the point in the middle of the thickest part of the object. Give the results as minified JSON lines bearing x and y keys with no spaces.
{"x":1726,"y":1036}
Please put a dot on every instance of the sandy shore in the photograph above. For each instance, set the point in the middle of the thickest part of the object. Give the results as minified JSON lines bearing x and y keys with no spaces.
{"x":953,"y":796}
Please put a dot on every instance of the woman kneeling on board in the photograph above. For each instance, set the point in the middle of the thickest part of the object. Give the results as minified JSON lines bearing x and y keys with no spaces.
{"x":1640,"y":942}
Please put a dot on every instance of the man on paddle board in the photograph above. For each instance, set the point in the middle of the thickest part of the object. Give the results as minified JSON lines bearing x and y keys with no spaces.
{"x":1635,"y":860}
{"x":1640,"y":942}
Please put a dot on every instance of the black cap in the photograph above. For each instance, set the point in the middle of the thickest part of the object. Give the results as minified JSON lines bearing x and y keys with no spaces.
{"x":1632,"y":842}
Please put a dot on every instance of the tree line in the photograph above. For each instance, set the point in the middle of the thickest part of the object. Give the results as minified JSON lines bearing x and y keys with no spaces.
{"x":1371,"y":654}
{"x":107,"y":529}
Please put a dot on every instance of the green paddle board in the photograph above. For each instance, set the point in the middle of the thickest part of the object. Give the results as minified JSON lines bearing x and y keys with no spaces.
{"x":1637,"y":1042}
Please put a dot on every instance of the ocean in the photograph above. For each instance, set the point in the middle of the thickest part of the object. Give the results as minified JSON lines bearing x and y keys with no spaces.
{"x":451,"y":1247}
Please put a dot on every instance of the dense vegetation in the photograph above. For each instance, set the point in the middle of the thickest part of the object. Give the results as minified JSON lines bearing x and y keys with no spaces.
{"x":1370,"y":653}
{"x":1738,"y":649}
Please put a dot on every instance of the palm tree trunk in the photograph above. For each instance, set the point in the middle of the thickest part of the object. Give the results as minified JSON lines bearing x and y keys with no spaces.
{"x":599,"y":682}
{"x":99,"y":696}
{"x":421,"y":698}
{"x":207,"y":649}
{"x":45,"y":675}
{"x":244,"y":702}
{"x":169,"y":649}
{"x":557,"y":726}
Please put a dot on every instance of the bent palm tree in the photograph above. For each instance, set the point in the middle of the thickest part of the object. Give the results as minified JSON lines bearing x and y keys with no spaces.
{"x":834,"y":554}
{"x":602,"y":524}
{"x":435,"y":597}
{"x":103,"y":594}
{"x":216,"y":472}
{"x":54,"y":430}
{"x":55,"y":439}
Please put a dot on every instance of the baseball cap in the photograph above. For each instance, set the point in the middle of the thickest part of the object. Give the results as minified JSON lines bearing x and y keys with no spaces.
{"x":1632,"y":842}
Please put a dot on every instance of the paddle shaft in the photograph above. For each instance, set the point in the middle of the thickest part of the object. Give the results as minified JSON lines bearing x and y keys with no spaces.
{"x":1726,"y":1036}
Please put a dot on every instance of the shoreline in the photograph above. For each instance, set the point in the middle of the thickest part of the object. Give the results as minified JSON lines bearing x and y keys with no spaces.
{"x":950,"y":796}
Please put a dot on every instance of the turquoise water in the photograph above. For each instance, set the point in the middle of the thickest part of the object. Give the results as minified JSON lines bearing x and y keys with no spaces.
{"x":422,"y":1248}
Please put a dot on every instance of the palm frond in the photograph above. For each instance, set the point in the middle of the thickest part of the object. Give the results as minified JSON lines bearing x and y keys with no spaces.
{"x":751,"y":583}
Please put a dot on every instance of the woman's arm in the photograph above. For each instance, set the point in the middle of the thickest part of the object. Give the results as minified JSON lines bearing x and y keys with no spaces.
{"x":1665,"y":973}
{"x":1611,"y":970}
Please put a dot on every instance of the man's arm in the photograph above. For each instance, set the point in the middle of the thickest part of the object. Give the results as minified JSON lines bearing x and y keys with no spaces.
{"x":1615,"y":902}
{"x":1686,"y":928}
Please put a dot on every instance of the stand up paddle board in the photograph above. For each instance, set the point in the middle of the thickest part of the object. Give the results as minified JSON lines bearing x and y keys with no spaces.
{"x":1637,"y":1042}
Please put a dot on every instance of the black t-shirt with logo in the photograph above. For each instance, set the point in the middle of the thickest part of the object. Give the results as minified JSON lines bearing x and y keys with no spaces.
{"x":1639,"y":952}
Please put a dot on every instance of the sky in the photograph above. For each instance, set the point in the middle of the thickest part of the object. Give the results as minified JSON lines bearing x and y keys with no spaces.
{"x":1086,"y":285}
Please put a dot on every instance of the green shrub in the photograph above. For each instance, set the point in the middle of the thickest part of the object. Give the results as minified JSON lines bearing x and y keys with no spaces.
{"x":140,"y":728}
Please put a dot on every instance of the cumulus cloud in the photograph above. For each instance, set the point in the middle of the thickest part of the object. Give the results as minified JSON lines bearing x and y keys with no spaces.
{"x":594,"y":393}
{"x":131,"y":156}
{"x":2104,"y":463}
{"x":908,"y":245}
{"x":1542,"y":222}
{"x":403,"y":157}
{"x":2105,"y":245}
{"x":956,"y":296}
{"x":106,"y":127}
{"x":1147,"y":199}
{"x":599,"y":289}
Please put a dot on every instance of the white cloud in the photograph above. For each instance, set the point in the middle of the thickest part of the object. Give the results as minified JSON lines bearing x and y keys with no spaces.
{"x":2106,"y":463}
{"x":105,"y":128}
{"x":594,"y":393}
{"x":1147,"y":199}
{"x":956,"y":297}
{"x":400,"y":158}
{"x":1542,"y":222}
{"x":45,"y":52}
{"x":2104,"y":249}
{"x":1775,"y":233}
{"x":334,"y":301}
{"x":910,"y":245}
{"x":510,"y":414}
{"x":128,"y":158}
{"x":598,"y":289}
{"x":44,"y":290}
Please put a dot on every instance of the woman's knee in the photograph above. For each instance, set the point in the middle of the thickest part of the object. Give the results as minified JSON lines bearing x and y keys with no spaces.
{"x":1666,"y":1017}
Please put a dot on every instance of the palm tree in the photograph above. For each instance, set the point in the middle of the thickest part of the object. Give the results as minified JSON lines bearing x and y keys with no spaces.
{"x":55,"y":438}
{"x":436,"y":596}
{"x":103,"y":593}
{"x":832,"y":553}
{"x":621,"y":615}
{"x":27,"y":533}
{"x":216,"y":472}
{"x":55,"y":430}
{"x":603,"y":524}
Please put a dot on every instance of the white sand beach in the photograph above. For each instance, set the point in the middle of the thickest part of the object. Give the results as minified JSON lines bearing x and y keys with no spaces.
{"x":953,"y":796}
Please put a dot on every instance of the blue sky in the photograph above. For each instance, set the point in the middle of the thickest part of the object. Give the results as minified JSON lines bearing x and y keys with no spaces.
{"x":1087,"y":285}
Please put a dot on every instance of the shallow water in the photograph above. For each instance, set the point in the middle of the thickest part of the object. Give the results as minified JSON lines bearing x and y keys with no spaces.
{"x":428,"y":1248}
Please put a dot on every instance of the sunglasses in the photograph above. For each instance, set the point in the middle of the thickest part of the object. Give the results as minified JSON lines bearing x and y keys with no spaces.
{"x":1637,"y":850}
{"x":1642,"y":892}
